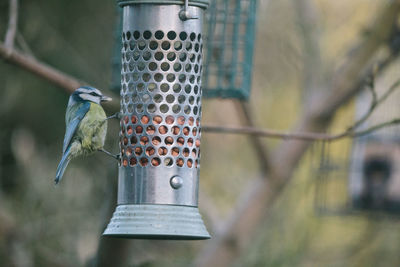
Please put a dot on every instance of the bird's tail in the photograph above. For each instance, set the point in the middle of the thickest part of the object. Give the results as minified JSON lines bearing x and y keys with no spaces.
{"x":62,"y":166}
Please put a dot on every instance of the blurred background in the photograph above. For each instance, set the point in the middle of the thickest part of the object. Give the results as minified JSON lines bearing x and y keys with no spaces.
{"x":313,"y":221}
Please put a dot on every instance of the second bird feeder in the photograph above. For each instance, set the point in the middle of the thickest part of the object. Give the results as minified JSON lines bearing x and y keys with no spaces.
{"x":160,"y":125}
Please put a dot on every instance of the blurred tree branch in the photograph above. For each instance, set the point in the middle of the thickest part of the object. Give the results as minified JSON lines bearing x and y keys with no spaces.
{"x":225,"y":248}
{"x":12,"y":25}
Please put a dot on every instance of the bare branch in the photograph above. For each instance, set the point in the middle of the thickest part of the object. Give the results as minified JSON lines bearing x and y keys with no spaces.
{"x":12,"y":25}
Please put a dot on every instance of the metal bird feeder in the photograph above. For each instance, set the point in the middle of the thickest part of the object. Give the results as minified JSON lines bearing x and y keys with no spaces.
{"x":160,"y":126}
{"x":364,"y":178}
{"x":229,"y":33}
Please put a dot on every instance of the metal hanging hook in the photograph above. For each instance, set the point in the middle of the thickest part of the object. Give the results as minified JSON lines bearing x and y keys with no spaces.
{"x":184,"y":14}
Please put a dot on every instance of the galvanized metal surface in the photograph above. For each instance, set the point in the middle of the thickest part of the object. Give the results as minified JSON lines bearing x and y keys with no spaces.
{"x":157,"y":222}
{"x":160,"y":105}
{"x":197,"y":3}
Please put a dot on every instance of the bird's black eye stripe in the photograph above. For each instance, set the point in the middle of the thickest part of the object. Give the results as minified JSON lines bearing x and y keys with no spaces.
{"x":93,"y":94}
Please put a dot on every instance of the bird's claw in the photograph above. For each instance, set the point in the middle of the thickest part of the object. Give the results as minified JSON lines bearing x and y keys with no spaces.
{"x":115,"y":116}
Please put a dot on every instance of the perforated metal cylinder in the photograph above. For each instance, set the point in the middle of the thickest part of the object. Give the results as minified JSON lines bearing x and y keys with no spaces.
{"x":160,"y":126}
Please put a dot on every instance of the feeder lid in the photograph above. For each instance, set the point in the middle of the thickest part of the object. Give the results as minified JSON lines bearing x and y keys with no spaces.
{"x":196,"y":3}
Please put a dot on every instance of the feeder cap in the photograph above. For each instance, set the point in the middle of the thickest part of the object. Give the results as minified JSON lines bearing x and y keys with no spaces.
{"x":197,"y":3}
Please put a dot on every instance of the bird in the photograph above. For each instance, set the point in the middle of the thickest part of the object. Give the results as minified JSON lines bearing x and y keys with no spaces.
{"x":86,"y":126}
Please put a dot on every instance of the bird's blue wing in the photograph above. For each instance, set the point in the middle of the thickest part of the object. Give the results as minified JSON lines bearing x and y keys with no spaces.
{"x":74,"y":123}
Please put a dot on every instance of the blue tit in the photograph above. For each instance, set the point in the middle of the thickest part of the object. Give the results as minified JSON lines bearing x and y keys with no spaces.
{"x":86,"y":126}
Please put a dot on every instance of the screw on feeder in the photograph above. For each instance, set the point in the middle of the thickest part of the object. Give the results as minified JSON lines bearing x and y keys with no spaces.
{"x":184,"y":14}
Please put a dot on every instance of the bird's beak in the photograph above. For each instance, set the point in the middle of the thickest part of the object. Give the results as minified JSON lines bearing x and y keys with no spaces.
{"x":105,"y":98}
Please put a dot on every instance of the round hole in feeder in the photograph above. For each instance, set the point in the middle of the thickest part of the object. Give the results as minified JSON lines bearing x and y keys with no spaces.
{"x":170,"y":99}
{"x":157,"y":120}
{"x":195,"y":110}
{"x":135,"y":55}
{"x":192,"y":58}
{"x":165,"y":45}
{"x":169,"y":140}
{"x":133,"y":140}
{"x":175,"y":151}
{"x":153,"y":45}
{"x":144,"y":162}
{"x":128,"y":35}
{"x":151,"y":87}
{"x":168,"y":162}
{"x":155,"y":162}
{"x":199,"y":37}
{"x":178,"y":45}
{"x":144,"y":140}
{"x":188,"y":46}
{"x":162,"y":129}
{"x":182,"y":78}
{"x":192,"y":79}
{"x":140,"y":87}
{"x":165,"y":66}
{"x":133,"y":161}
{"x":146,"y":55}
{"x":126,"y":119}
{"x":186,"y":131}
{"x":136,"y":35}
{"x":139,"y":108}
{"x":164,"y":87}
{"x":158,"y":77}
{"x":138,"y":151}
{"x":123,"y":36}
{"x":140,"y":65}
{"x":191,"y":100}
{"x":177,"y":67}
{"x":150,"y":151}
{"x":183,"y":36}
{"x":190,"y":142}
{"x":162,"y":151}
{"x":145,"y":119}
{"x":180,"y":162}
{"x":190,"y":163}
{"x":176,"y":108}
{"x":196,"y":47}
{"x":196,"y":68}
{"x":181,"y":99}
{"x":135,"y":98}
{"x":139,"y":129}
{"x":175,"y":130}
{"x":159,"y":56}
{"x":151,"y":108}
{"x":128,"y":152}
{"x":194,"y":131}
{"x":188,"y":89}
{"x":153,"y":66}
{"x":150,"y":130}
{"x":186,"y":152}
{"x":181,"y":120}
{"x":156,"y":140}
{"x":171,"y":56}
{"x":192,"y":36}
{"x":146,"y":98}
{"x":196,"y":163}
{"x":171,"y":35}
{"x":182,"y":57}
{"x":191,"y":121}
{"x":198,"y":122}
{"x":169,"y":119}
{"x":194,"y":152}
{"x":125,"y":162}
{"x":125,"y":141}
{"x":158,"y":98}
{"x":180,"y":141}
{"x":198,"y":143}
{"x":141,"y":45}
{"x":129,"y":130}
{"x":170,"y":77}
{"x":135,"y":78}
{"x":159,"y":35}
{"x":164,"y":108}
{"x":188,"y":67}
{"x":147,"y":35}
{"x":196,"y":89}
{"x":187,"y":109}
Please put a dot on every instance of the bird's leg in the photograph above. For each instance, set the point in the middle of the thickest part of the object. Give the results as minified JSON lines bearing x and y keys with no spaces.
{"x":117,"y":157}
{"x":115,"y":116}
